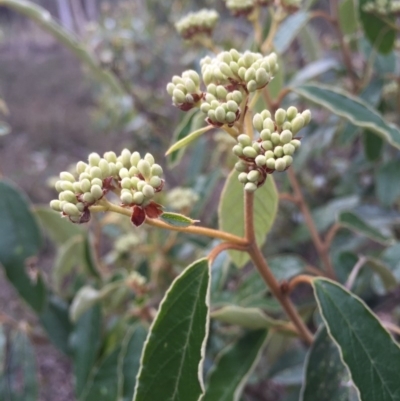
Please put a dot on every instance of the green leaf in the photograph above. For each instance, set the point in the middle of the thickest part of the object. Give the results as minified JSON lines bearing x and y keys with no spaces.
{"x":58,"y":229}
{"x":22,"y":373}
{"x":352,"y":108}
{"x":188,"y":139}
{"x":177,"y":220}
{"x":103,"y":384}
{"x":326,"y":378}
{"x":373,"y":145}
{"x":69,"y":256}
{"x":348,"y":17}
{"x":231,"y":212}
{"x":355,"y":223}
{"x":388,"y":182}
{"x":84,"y":299}
{"x":367,"y":349}
{"x":89,"y":256}
{"x":234,"y":366}
{"x":19,"y":239}
{"x":43,"y":18}
{"x":312,"y":70}
{"x":289,"y":29}
{"x":377,"y":31}
{"x":129,"y":361}
{"x":391,"y":257}
{"x":172,"y":360}
{"x":113,"y":379}
{"x":188,"y":124}
{"x":286,"y":266}
{"x":85,"y":344}
{"x":249,"y":318}
{"x":5,"y":128}
{"x":55,"y":320}
{"x":386,"y":276}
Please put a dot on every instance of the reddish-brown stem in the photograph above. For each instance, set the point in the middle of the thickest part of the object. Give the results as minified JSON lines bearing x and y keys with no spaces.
{"x":266,"y":274}
{"x":284,"y":300}
{"x":323,"y":252}
{"x":324,"y":15}
{"x":331,"y":235}
{"x":287,"y":197}
{"x":300,"y":279}
{"x":223,"y":247}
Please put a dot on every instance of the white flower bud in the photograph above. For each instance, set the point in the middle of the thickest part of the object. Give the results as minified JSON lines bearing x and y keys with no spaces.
{"x":156,"y":169}
{"x":84,"y":176}
{"x":258,"y":122}
{"x":135,"y":157}
{"x":126,"y":158}
{"x":269,"y":154}
{"x":237,"y":150}
{"x":262,"y":77}
{"x":80,"y":167}
{"x":96,"y":191}
{"x":220,"y":114}
{"x":296,"y":143}
{"x":267,"y":145}
{"x":140,"y":185}
{"x":126,"y":198}
{"x":111,"y":157}
{"x":67,"y":186}
{"x":249,"y":151}
{"x":269,"y":124}
{"x":261,"y":160}
{"x":251,"y":86}
{"x":288,"y":149}
{"x":97,"y":181}
{"x":253,"y":176}
{"x":241,"y":166}
{"x":297,"y":124}
{"x":286,"y":136}
{"x":94,"y":159}
{"x":237,"y":96}
{"x":138,"y":198}
{"x":250,"y":74}
{"x":232,"y":106}
{"x":95,"y":172}
{"x":278,"y":151}
{"x":178,"y":96}
{"x":155,"y":181}
{"x":265,"y":134}
{"x":77,"y":187}
{"x":190,"y":86}
{"x":88,"y":197}
{"x":104,"y":167}
{"x":58,"y":186}
{"x":288,"y":160}
{"x":205,"y":107}
{"x":148,"y":191}
{"x":135,"y":181}
{"x":275,"y":138}
{"x":126,"y":183}
{"x":291,"y":113}
{"x":244,"y":140}
{"x":271,"y":163}
{"x":80,"y":206}
{"x":242,"y":178}
{"x":306,"y":114}
{"x":133,"y":171}
{"x":280,"y":164}
{"x":66,"y":176}
{"x":55,"y":205}
{"x":85,"y":185}
{"x":221,"y":92}
{"x":234,"y":67}
{"x":124,"y":173}
{"x":144,"y":169}
{"x":71,"y":210}
{"x":230,"y":117}
{"x":250,"y":187}
{"x":242,"y":72}
{"x":149,"y":158}
{"x":280,"y":116}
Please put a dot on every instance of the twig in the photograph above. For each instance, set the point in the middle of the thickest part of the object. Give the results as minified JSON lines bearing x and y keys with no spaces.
{"x":287,"y":197}
{"x":354,"y":273}
{"x":323,"y":252}
{"x":300,"y":279}
{"x":331,"y":235}
{"x":223,"y":247}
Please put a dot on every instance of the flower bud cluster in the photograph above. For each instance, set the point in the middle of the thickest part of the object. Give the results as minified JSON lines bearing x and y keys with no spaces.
{"x":221,"y":106}
{"x":181,"y":198}
{"x":250,"y":70}
{"x":185,"y":90}
{"x":274,"y":150}
{"x":240,"y":7}
{"x":198,"y":23}
{"x":135,"y":179}
{"x":382,"y":7}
